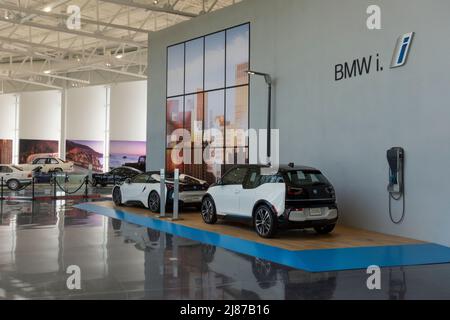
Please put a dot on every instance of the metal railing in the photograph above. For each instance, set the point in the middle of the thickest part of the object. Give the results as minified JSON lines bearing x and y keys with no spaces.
{"x":54,"y":183}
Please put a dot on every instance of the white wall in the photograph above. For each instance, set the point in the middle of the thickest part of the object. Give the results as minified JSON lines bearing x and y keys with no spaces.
{"x":129,"y":111}
{"x":40,"y":115}
{"x":7,"y":116}
{"x":345,"y":127}
{"x":86,"y":113}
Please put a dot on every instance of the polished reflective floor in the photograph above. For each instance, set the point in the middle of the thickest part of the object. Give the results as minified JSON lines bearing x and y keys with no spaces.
{"x":119,"y":260}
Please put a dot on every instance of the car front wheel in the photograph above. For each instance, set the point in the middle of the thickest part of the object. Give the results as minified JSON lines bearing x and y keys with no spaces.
{"x":208,"y":210}
{"x":265,"y":222}
{"x":117,"y":197}
{"x":154,"y":202}
{"x":325,"y":229}
{"x":13,"y":184}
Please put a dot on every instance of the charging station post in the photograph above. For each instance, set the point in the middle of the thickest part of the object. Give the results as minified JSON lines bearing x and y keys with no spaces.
{"x":176,"y":189}
{"x":162,"y":192}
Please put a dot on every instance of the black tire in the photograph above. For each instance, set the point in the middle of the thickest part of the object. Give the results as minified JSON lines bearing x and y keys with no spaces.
{"x":265,"y":222}
{"x":208,"y":211}
{"x":154,"y":202}
{"x":13,"y":184}
{"x":325,"y":229}
{"x":117,"y":197}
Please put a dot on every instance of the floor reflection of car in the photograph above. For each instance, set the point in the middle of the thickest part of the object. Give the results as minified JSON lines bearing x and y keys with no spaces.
{"x":144,"y":189}
{"x":143,"y":237}
{"x":14,"y":177}
{"x":265,"y":280}
{"x":289,"y":196}
{"x":116,"y":175}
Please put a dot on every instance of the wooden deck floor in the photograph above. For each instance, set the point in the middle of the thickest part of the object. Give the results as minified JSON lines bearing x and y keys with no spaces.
{"x":295,"y":240}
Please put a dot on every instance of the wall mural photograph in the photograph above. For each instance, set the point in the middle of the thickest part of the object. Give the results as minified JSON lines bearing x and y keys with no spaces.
{"x":31,"y":149}
{"x":84,"y":153}
{"x":122,"y":152}
{"x":6,"y":151}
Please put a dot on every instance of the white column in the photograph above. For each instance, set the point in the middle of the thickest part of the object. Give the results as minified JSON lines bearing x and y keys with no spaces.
{"x":16,"y":129}
{"x":107,"y":130}
{"x":63,"y":130}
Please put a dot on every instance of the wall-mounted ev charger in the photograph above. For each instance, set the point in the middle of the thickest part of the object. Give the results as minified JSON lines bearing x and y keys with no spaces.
{"x":396,"y":187}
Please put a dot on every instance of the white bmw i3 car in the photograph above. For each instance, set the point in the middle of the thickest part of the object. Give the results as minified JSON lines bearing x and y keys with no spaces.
{"x":144,"y":189}
{"x":291,"y":196}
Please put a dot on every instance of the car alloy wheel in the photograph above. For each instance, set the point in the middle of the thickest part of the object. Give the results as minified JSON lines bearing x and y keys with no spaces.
{"x":209,"y":211}
{"x":13,"y":184}
{"x":154,"y":202}
{"x":264,"y":222}
{"x":117,"y":197}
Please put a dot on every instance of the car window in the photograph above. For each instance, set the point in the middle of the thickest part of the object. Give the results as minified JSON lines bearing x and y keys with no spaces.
{"x":141,"y":178}
{"x":40,"y":161}
{"x":252,"y":178}
{"x":116,"y":171}
{"x":17,"y":168}
{"x":5,"y":169}
{"x":53,"y":161}
{"x":235,"y":176}
{"x":299,"y":178}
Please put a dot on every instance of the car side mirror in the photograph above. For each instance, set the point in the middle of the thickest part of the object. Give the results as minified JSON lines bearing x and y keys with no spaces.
{"x":128,"y":181}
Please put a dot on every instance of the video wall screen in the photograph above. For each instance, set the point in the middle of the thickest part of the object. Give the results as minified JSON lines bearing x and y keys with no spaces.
{"x":30,"y":149}
{"x":207,"y":89}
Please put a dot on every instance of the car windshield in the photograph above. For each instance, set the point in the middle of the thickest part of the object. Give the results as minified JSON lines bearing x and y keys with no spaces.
{"x":17,"y":168}
{"x":300,"y":178}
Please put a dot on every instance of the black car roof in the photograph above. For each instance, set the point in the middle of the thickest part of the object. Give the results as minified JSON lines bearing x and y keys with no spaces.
{"x":281,"y":168}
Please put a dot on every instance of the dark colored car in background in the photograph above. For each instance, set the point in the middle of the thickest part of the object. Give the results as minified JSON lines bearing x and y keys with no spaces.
{"x":47,"y":177}
{"x":116,"y":175}
{"x":140,"y":164}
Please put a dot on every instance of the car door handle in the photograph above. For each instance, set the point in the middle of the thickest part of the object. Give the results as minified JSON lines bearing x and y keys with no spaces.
{"x":144,"y":189}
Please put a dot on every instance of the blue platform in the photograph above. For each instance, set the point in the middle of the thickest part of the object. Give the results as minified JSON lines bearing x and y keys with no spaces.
{"x":309,"y":260}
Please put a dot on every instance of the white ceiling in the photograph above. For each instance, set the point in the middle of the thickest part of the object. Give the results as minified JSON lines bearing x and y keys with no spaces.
{"x":38,"y":50}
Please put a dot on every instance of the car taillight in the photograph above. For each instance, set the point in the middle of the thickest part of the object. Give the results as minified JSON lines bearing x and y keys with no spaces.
{"x":294,"y":191}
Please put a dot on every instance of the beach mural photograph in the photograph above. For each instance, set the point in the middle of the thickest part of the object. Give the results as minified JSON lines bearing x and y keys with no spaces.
{"x":6,"y":151}
{"x":84,"y":153}
{"x":123,"y":152}
{"x":31,"y":149}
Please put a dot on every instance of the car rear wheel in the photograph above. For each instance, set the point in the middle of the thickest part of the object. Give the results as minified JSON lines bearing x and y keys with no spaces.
{"x":325,"y":229}
{"x":13,"y":184}
{"x":117,"y":197}
{"x":208,"y":210}
{"x":265,"y":222}
{"x":154,"y":202}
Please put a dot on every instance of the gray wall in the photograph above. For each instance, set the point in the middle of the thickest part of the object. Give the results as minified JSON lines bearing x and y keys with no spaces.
{"x":345,"y":127}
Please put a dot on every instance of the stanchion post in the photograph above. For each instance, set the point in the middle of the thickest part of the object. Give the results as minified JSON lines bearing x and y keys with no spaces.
{"x":1,"y":198}
{"x":176,"y":195}
{"x":54,"y":185}
{"x":32,"y":187}
{"x":86,"y":182}
{"x":162,"y":194}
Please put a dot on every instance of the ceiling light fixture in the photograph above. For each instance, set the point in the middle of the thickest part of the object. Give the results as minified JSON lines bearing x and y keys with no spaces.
{"x":47,"y":9}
